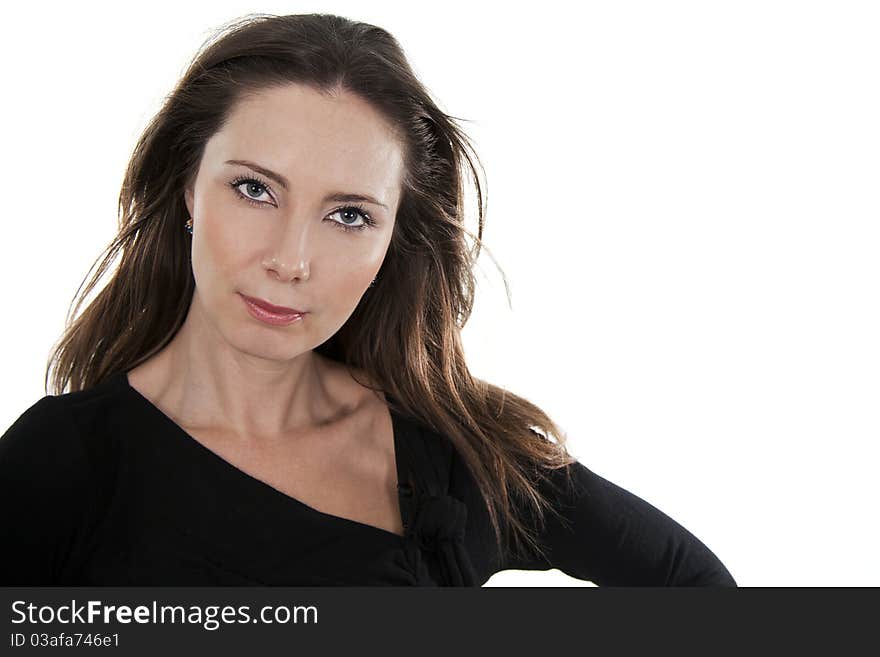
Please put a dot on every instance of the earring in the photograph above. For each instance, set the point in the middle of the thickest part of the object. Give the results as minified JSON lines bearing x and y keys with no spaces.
{"x":189,"y":226}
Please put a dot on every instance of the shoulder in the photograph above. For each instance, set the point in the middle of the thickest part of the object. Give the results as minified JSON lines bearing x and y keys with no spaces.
{"x":42,"y":447}
{"x":46,"y":470}
{"x":64,"y":445}
{"x":55,"y":440}
{"x":35,"y":429}
{"x":43,"y":465}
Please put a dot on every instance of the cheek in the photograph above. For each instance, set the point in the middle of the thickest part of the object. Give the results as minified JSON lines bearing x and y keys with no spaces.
{"x":341,"y":278}
{"x":222,"y":244}
{"x":363,"y":260}
{"x":346,"y":278}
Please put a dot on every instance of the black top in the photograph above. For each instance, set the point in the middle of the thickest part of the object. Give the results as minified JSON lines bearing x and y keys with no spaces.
{"x":100,"y":487}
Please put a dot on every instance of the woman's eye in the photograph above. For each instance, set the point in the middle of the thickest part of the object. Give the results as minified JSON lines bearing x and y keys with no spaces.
{"x":348,"y":215}
{"x":252,"y":187}
{"x":250,"y":190}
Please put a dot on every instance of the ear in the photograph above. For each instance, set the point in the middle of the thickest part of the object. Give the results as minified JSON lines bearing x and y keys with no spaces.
{"x":188,"y":199}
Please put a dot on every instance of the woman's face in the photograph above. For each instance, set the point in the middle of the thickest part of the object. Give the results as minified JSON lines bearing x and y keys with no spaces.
{"x":296,"y":243}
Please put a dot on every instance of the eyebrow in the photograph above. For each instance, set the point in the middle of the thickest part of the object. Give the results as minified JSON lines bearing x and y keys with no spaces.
{"x":332,"y":196}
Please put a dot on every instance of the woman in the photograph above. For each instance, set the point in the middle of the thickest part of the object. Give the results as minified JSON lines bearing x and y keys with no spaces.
{"x":271,"y":389}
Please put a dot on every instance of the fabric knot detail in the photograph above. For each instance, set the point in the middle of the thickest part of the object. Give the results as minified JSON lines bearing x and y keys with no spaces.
{"x":439,"y":519}
{"x":439,"y":528}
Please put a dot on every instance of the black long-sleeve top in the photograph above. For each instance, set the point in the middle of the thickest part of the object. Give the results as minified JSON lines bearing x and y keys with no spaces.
{"x":100,"y":487}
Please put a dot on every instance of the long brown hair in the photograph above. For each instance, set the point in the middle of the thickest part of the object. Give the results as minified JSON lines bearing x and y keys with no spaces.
{"x":405,"y":331}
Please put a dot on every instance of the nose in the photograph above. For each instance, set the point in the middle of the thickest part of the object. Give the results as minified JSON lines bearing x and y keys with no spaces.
{"x":288,"y":258}
{"x":286,"y":273}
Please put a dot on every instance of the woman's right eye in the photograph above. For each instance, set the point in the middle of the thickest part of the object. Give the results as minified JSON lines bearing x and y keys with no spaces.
{"x":251,"y":186}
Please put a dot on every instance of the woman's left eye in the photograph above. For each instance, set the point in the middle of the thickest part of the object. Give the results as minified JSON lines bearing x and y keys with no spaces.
{"x":352,"y":211}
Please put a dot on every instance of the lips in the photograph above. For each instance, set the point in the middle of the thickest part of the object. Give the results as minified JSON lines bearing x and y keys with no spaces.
{"x":272,"y":308}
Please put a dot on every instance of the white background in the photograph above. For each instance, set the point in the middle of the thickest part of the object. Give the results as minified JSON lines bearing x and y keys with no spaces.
{"x":682,"y":195}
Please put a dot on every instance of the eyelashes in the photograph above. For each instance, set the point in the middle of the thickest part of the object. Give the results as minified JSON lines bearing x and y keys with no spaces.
{"x":368,"y":221}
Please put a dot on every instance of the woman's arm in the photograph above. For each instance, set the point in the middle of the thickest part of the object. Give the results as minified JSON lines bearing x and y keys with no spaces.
{"x":614,"y":538}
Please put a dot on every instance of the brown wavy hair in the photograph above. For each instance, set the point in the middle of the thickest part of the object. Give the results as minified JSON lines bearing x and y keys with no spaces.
{"x":405,"y":331}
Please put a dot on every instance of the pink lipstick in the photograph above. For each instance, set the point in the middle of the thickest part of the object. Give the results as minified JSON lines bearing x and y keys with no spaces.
{"x":270,"y":313}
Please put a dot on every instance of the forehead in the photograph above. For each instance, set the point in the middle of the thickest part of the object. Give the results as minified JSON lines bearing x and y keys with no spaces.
{"x":314,"y":139}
